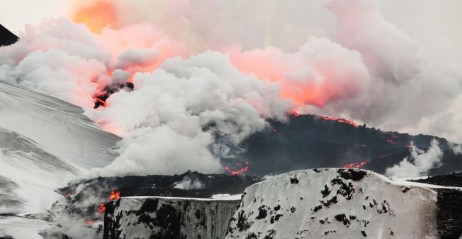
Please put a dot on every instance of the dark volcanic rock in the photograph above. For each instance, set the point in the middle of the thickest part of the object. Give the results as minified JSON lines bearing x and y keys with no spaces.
{"x":168,"y":218}
{"x":449,"y":204}
{"x":7,"y":37}
{"x":6,"y":237}
{"x":449,"y":214}
{"x":357,"y":203}
{"x":309,"y":141}
{"x":450,"y":180}
{"x":190,"y":184}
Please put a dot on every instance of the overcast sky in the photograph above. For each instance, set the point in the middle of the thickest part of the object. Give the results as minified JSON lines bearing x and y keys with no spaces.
{"x":15,"y":14}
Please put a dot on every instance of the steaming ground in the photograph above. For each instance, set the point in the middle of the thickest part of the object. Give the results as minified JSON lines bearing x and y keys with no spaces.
{"x":44,"y":143}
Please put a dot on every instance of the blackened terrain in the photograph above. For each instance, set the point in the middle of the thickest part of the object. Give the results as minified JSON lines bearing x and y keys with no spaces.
{"x":450,"y":180}
{"x":7,"y":37}
{"x":168,"y":218}
{"x":449,"y":204}
{"x":190,"y":184}
{"x":309,"y":141}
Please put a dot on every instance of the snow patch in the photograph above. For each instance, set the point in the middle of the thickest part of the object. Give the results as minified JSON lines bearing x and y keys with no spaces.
{"x":334,"y":203}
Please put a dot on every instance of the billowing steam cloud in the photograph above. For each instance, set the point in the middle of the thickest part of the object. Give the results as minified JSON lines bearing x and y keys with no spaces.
{"x":206,"y":74}
{"x":419,"y":163}
{"x":413,"y":81}
{"x":176,"y":114}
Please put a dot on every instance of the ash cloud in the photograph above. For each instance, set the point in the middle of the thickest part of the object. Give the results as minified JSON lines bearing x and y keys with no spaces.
{"x":201,"y":86}
{"x":412,"y":83}
{"x":175,"y":114}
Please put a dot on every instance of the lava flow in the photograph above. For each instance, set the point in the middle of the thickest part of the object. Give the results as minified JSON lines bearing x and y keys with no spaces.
{"x":102,"y":208}
{"x":355,"y":165}
{"x":113,"y":196}
{"x":340,"y":120}
{"x":100,"y":101}
{"x":243,"y":169}
{"x":89,"y":222}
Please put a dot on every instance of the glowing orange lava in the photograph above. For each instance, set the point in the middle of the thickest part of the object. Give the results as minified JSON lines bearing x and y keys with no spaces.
{"x":96,"y":16}
{"x":239,"y":171}
{"x":294,"y":113}
{"x":104,"y":103}
{"x":114,"y":195}
{"x":102,"y":208}
{"x":355,"y":165}
{"x":340,"y":120}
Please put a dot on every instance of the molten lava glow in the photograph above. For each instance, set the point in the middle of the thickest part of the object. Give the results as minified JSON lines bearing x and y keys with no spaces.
{"x":103,"y":103}
{"x":392,"y":139}
{"x":294,"y":113}
{"x":114,"y":195}
{"x":102,"y":208}
{"x":98,"y":15}
{"x":340,"y":120}
{"x":355,"y":165}
{"x":243,"y":169}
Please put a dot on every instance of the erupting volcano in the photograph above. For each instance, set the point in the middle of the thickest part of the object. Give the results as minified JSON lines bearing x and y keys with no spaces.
{"x":143,"y":91}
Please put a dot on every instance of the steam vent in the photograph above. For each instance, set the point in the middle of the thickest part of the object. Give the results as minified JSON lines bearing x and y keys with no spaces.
{"x":318,"y":203}
{"x":7,"y":37}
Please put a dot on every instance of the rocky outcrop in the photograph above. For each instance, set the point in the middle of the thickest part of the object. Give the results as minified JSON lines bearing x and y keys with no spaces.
{"x":331,"y":203}
{"x":7,"y":37}
{"x":449,"y":204}
{"x":318,"y":203}
{"x":168,"y":218}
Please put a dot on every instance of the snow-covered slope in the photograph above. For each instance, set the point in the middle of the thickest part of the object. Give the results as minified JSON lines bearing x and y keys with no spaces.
{"x":44,"y":143}
{"x":335,"y":203}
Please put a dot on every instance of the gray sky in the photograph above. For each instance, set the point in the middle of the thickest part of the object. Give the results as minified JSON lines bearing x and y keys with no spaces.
{"x":15,"y":14}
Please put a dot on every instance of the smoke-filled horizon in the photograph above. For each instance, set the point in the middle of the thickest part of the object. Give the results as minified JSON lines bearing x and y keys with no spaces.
{"x":208,"y":70}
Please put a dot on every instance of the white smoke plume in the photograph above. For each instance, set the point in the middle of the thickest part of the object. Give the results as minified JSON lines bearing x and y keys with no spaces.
{"x":419,"y":163}
{"x":199,"y":81}
{"x":457,"y":149}
{"x":164,"y":119}
{"x":189,"y":184}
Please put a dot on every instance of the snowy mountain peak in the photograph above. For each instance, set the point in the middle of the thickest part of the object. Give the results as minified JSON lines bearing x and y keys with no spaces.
{"x":333,"y":203}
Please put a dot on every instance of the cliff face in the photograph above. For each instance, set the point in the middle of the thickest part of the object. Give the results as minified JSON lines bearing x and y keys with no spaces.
{"x":331,"y":203}
{"x":318,"y":203}
{"x":168,"y":218}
